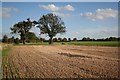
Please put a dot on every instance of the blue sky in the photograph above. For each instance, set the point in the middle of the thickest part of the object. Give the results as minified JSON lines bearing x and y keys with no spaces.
{"x":60,"y":0}
{"x":82,"y":19}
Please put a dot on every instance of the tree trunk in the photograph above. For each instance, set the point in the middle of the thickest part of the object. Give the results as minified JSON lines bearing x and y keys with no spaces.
{"x":50,"y":41}
{"x":23,"y":39}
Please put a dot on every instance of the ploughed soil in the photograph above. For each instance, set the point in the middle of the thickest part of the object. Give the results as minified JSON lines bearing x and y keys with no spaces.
{"x":61,"y":61}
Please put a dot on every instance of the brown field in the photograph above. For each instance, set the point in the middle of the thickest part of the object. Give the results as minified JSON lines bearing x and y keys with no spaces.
{"x":65,"y":61}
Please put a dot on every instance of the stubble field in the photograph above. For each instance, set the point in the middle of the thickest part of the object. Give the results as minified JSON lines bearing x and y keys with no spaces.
{"x":61,"y":61}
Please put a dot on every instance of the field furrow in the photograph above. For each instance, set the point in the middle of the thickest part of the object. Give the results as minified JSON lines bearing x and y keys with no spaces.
{"x":61,"y":62}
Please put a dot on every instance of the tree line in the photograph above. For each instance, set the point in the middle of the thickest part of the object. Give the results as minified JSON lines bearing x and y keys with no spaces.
{"x":31,"y":38}
{"x":49,"y":24}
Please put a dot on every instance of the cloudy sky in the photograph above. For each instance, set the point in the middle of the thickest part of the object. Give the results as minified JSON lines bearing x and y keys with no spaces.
{"x":82,"y":19}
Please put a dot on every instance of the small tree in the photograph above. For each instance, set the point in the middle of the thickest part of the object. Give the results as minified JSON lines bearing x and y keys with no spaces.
{"x":64,"y":39}
{"x":12,"y":39}
{"x":9,"y":40}
{"x":69,"y":39}
{"x":51,"y":24}
{"x":41,"y":39}
{"x":88,"y":39}
{"x":55,"y":40}
{"x":59,"y":39}
{"x":74,"y":39}
{"x":5,"y":39}
{"x":17,"y":41}
{"x":30,"y":37}
{"x":84,"y":39}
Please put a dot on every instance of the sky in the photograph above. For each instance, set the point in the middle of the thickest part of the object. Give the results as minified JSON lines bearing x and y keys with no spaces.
{"x":82,"y":19}
{"x":60,"y":0}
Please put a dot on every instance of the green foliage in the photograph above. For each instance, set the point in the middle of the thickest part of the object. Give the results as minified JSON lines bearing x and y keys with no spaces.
{"x":5,"y":39}
{"x":69,"y":39}
{"x":31,"y":37}
{"x":55,"y":39}
{"x":59,"y":39}
{"x":22,"y":28}
{"x":51,"y":24}
{"x":74,"y":39}
{"x":17,"y":41}
{"x":29,"y":44}
{"x":64,"y":39}
{"x":6,"y":50}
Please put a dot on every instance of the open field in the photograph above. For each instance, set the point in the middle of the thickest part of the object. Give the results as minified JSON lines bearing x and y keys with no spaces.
{"x":95,"y":43}
{"x":61,"y":61}
{"x":80,"y":43}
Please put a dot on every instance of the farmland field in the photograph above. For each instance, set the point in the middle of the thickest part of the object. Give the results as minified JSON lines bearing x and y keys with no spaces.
{"x":61,"y":61}
{"x":95,"y":43}
{"x":81,"y":43}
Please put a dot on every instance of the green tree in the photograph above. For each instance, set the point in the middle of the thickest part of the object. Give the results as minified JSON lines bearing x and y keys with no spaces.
{"x":41,"y":39}
{"x":55,"y":40}
{"x":84,"y":39}
{"x":74,"y":39}
{"x":12,"y":39}
{"x":88,"y":39}
{"x":5,"y":39}
{"x":59,"y":39}
{"x":16,"y":41}
{"x":22,"y":28}
{"x":51,"y":24}
{"x":69,"y":39}
{"x":30,"y":36}
{"x":64,"y":39}
{"x":9,"y":40}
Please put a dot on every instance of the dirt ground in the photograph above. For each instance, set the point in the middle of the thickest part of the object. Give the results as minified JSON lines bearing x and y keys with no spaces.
{"x":61,"y":61}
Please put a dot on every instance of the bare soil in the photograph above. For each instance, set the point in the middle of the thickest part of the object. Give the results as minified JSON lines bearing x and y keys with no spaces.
{"x":61,"y":61}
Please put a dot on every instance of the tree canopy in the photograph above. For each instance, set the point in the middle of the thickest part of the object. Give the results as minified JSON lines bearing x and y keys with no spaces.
{"x":30,"y":36}
{"x":51,"y":24}
{"x":22,"y":28}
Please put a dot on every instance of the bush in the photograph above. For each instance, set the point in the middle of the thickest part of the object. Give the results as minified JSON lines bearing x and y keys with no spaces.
{"x":16,"y":41}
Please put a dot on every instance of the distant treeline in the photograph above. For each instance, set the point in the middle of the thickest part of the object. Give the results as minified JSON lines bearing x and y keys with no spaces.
{"x":85,"y":39}
{"x":33,"y":39}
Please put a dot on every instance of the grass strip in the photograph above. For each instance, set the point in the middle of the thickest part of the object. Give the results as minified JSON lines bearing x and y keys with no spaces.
{"x":95,"y":43}
{"x":81,"y":43}
{"x":6,"y":50}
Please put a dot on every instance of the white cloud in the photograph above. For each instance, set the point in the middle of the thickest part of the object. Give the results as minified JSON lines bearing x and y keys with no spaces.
{"x":52,"y":7}
{"x":62,"y":14}
{"x":77,"y":32}
{"x":99,"y":32}
{"x":101,"y":14}
{"x":6,"y":11}
{"x":69,"y":8}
